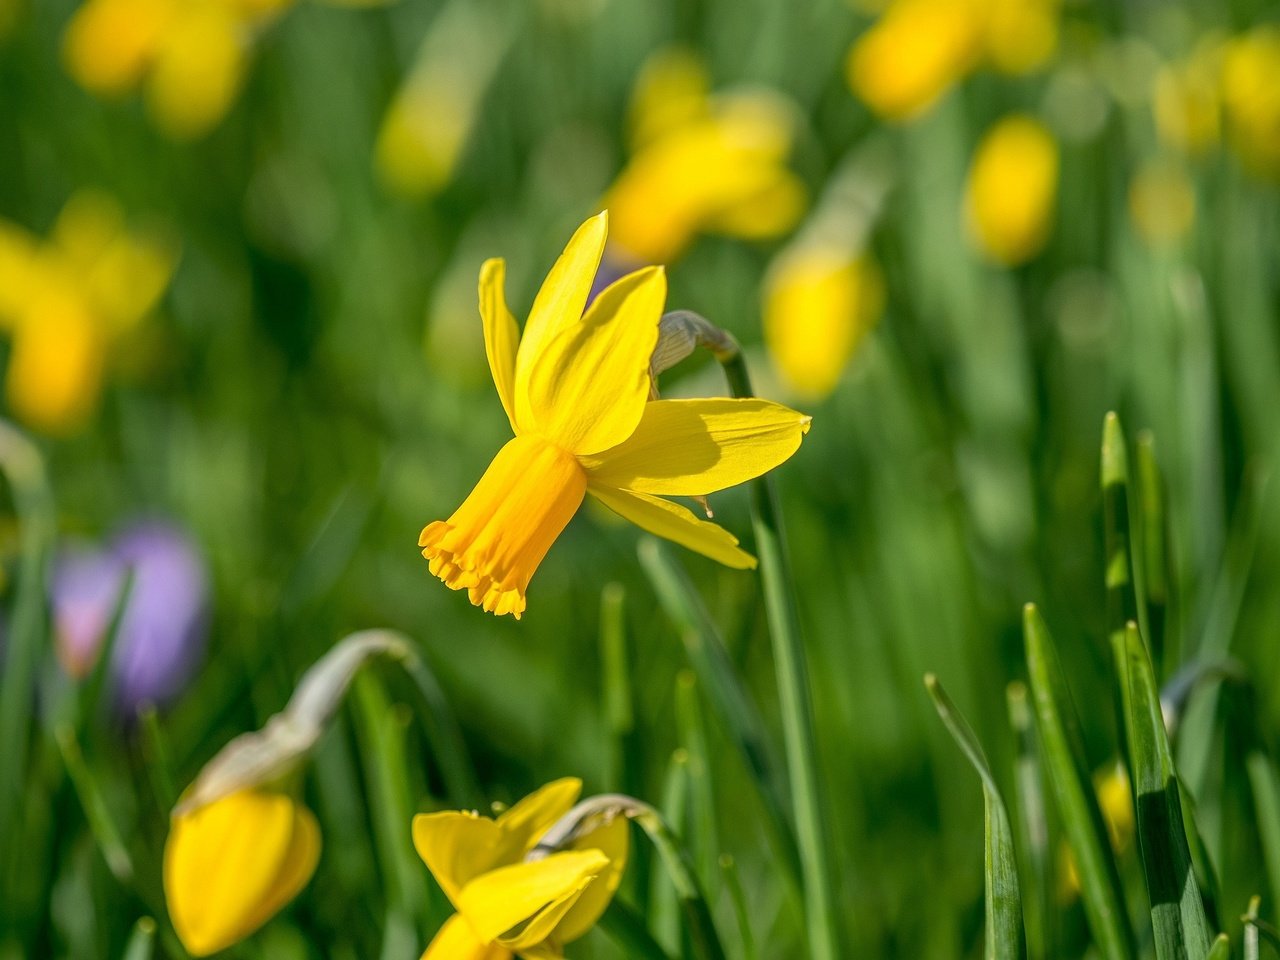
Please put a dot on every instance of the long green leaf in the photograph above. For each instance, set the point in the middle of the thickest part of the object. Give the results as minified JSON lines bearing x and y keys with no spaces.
{"x":1221,"y":949}
{"x":1059,"y":729}
{"x":1177,"y":912}
{"x":1004,"y":937}
{"x":1031,"y":823}
{"x":1266,"y":799}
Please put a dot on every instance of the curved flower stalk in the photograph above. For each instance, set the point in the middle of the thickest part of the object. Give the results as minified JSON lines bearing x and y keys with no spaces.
{"x":701,"y":164}
{"x":540,"y":875}
{"x":190,"y":57}
{"x":576,"y":389}
{"x":1013,"y":190}
{"x":67,"y":300}
{"x":919,"y":49}
{"x":240,"y":845}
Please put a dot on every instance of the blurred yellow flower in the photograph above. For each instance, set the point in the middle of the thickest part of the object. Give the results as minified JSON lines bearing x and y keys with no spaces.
{"x":1186,"y":100}
{"x":918,"y":49}
{"x":576,"y":390}
{"x":1012,"y":190}
{"x":429,"y":121}
{"x":1115,"y":800}
{"x":1251,"y":96}
{"x":509,"y":899}
{"x":230,"y":866}
{"x":701,"y":164}
{"x":65,"y":301}
{"x":819,"y":303}
{"x":1162,"y":202}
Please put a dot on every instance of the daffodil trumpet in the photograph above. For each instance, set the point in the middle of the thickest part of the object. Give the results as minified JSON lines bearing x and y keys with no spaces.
{"x":576,"y":388}
{"x":543,"y":872}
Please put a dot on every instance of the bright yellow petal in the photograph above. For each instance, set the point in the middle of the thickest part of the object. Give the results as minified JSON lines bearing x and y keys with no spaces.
{"x":588,"y":387}
{"x":197,"y":72}
{"x":533,"y":816}
{"x":108,"y":44}
{"x":689,"y":448}
{"x":614,"y":841}
{"x":457,"y":847}
{"x":56,"y":363}
{"x":501,"y":336}
{"x":229,"y":866}
{"x":562,"y":298}
{"x":517,"y":902}
{"x":665,"y":519}
{"x":457,"y":941}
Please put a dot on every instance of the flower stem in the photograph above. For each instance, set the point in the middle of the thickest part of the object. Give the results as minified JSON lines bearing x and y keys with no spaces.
{"x":793,"y":691}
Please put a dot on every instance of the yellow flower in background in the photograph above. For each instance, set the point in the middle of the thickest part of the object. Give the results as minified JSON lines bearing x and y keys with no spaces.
{"x":1012,"y":190}
{"x":1162,"y":202}
{"x":919,"y":49}
{"x":819,"y":304}
{"x":1251,"y":96}
{"x":576,"y":390}
{"x":431,"y":117}
{"x":510,"y":900}
{"x":1186,"y":100}
{"x":230,"y":866}
{"x":913,"y":54}
{"x":701,"y":164}
{"x":1115,"y":801}
{"x":67,"y":300}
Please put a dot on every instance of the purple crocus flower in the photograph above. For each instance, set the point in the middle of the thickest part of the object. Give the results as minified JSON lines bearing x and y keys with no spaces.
{"x":163,"y":624}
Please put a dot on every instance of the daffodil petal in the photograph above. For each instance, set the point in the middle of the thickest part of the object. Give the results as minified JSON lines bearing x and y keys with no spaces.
{"x":528,"y":820}
{"x":501,"y":336}
{"x":672,"y":521}
{"x":614,"y":841}
{"x":563,"y":295}
{"x":457,"y":941}
{"x":588,"y":387}
{"x":690,"y":448}
{"x":457,"y":847}
{"x":546,"y":950}
{"x":232,"y":864}
{"x":498,"y":902}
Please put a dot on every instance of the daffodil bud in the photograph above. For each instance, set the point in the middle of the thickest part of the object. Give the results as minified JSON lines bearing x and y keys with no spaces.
{"x":1012,"y":190}
{"x":231,"y":865}
{"x":239,"y":846}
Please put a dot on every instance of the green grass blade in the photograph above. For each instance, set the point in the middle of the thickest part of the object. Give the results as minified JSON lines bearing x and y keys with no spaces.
{"x":1221,"y":949}
{"x":101,"y":822}
{"x":704,"y":833}
{"x":736,"y":711}
{"x":142,"y":941}
{"x":1032,"y":824}
{"x":1153,"y":528}
{"x":1266,"y":798}
{"x":1004,"y":936}
{"x":1058,"y":727}
{"x":1177,"y":911}
{"x":626,"y":928}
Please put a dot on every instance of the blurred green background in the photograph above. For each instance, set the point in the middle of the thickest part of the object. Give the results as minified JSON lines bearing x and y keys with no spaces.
{"x":310,"y":389}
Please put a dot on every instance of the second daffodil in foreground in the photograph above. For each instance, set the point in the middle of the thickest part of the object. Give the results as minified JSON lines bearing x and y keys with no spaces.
{"x":576,"y":388}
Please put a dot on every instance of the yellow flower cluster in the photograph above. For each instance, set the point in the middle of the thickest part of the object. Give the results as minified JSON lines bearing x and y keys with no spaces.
{"x":919,"y":49}
{"x":701,"y":164}
{"x":64,"y":301}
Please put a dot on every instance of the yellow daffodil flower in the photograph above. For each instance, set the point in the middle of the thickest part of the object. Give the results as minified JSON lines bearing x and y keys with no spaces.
{"x":1012,"y":190}
{"x":509,"y":900}
{"x":819,"y":303}
{"x":919,"y":49}
{"x":1251,"y":95}
{"x":701,"y":165}
{"x":65,"y":301}
{"x":230,"y":866}
{"x":576,"y":390}
{"x":1186,"y":100}
{"x":1115,"y":800}
{"x":1162,"y":202}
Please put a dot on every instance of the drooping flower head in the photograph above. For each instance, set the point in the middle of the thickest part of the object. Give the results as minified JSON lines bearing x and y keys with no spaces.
{"x":510,"y":900}
{"x":576,"y":390}
{"x":163,"y":625}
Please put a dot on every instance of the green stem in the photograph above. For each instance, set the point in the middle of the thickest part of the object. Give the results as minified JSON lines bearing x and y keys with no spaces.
{"x":142,"y":941}
{"x":793,"y":693}
{"x":95,"y":807}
